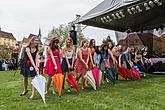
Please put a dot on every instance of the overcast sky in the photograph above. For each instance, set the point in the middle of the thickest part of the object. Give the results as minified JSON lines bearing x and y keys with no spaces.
{"x":22,"y":17}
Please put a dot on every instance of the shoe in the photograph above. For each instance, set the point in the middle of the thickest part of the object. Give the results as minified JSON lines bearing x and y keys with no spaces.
{"x":53,"y":93}
{"x":24,"y":93}
{"x":82,"y":88}
{"x":86,"y":85}
{"x":46,"y":92}
{"x":69,"y":90}
{"x":103,"y":82}
{"x":31,"y":97}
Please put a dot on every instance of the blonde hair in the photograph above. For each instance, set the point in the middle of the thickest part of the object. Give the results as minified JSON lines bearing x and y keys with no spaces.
{"x":69,"y":39}
{"x":82,"y":42}
{"x":31,"y":39}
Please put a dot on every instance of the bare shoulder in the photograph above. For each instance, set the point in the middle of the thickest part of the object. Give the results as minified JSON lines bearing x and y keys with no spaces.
{"x":27,"y":49}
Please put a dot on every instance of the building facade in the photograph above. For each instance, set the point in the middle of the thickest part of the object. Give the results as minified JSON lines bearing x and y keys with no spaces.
{"x":7,"y":39}
{"x":132,"y":40}
{"x":139,"y":40}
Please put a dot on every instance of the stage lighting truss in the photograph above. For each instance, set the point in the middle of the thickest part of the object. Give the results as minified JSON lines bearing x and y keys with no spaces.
{"x":158,"y":2}
{"x":105,"y":19}
{"x":147,"y":5}
{"x":138,"y":8}
{"x":109,"y":19}
{"x":118,"y":15}
{"x":114,"y":17}
{"x":151,"y":3}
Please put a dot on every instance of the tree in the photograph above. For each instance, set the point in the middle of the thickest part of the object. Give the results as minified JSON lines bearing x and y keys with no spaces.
{"x":62,"y":32}
{"x":108,"y":39}
{"x":5,"y":52}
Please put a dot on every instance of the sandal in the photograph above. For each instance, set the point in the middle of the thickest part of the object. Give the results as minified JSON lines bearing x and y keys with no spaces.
{"x":24,"y":93}
{"x":53,"y":93}
{"x":31,"y":97}
{"x":69,"y":90}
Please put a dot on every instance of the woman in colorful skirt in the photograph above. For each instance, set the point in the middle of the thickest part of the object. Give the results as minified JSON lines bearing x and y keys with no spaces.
{"x":29,"y":63}
{"x":117,"y":53}
{"x":112,"y":60}
{"x":68,"y":53}
{"x":92,"y":47}
{"x":52,"y":66}
{"x":83,"y":57}
{"x":104,"y":61}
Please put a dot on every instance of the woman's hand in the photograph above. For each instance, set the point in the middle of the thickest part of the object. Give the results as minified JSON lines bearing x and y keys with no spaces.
{"x":119,"y":65}
{"x":86,"y":65}
{"x":93,"y":65}
{"x":37,"y":70}
{"x":131,"y":64}
{"x":72,"y":66}
{"x":114,"y":62}
{"x":55,"y":67}
{"x":69,"y":66}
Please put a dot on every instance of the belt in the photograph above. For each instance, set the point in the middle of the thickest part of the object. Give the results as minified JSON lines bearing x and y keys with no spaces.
{"x":56,"y":56}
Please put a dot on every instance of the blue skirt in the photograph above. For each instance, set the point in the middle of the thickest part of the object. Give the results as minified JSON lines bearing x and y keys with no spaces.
{"x":26,"y":69}
{"x":64,"y":65}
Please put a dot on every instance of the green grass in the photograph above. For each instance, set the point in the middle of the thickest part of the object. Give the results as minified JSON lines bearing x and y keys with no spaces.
{"x":148,"y":94}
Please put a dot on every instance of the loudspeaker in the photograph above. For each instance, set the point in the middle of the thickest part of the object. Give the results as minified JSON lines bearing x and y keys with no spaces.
{"x":73,"y":35}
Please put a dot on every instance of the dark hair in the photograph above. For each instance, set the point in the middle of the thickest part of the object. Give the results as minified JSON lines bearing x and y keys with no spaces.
{"x":103,"y":46}
{"x":53,"y":46}
{"x":103,"y":50}
{"x":111,"y":43}
{"x":91,"y":43}
{"x":97,"y":50}
{"x":138,"y":52}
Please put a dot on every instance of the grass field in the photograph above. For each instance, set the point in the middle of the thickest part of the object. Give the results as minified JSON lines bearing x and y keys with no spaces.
{"x":148,"y":94}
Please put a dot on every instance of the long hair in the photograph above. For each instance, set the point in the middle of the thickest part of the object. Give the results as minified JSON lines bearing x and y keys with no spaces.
{"x":32,"y":40}
{"x":91,"y":43}
{"x":97,"y":50}
{"x":71,"y":42}
{"x":111,"y":44}
{"x":103,"y":50}
{"x":82,"y":42}
{"x":52,"y":44}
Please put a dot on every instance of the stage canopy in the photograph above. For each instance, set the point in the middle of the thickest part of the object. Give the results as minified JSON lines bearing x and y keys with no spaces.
{"x":124,"y":15}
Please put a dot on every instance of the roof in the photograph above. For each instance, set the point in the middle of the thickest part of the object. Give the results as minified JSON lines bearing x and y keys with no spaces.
{"x":162,"y":36}
{"x":106,"y":6}
{"x":7,"y":35}
{"x":25,"y":41}
{"x":31,"y":35}
{"x":121,"y":15}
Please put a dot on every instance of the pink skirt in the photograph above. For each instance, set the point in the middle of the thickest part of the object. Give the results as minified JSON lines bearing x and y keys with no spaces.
{"x":80,"y":68}
{"x":50,"y":68}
